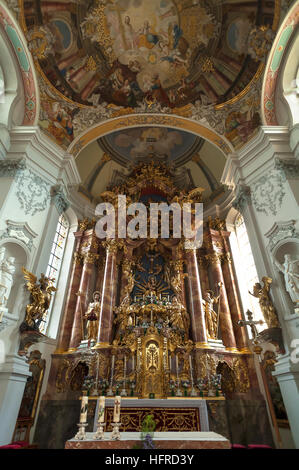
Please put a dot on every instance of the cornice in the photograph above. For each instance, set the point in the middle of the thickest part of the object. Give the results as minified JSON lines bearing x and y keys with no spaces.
{"x":257,"y":156}
{"x":43,"y":154}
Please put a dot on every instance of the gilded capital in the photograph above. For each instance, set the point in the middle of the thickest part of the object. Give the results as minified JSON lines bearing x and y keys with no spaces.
{"x":77,"y":258}
{"x":213,"y":258}
{"x":90,"y":258}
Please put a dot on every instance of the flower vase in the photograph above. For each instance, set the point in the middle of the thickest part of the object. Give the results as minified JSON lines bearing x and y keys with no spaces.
{"x":172,"y":393}
{"x":185,"y":392}
{"x":132,"y":392}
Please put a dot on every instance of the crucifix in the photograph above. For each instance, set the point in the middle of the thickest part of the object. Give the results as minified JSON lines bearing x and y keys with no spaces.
{"x":250,"y":322}
{"x":118,"y":11}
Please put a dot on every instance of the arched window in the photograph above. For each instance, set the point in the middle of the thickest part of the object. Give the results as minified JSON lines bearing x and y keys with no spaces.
{"x":245,"y":269}
{"x":55,"y":262}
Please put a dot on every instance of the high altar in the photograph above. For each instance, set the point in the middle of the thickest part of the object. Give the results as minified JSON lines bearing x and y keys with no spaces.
{"x":150,"y":319}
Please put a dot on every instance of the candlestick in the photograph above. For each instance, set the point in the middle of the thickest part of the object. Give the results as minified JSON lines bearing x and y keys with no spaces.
{"x":110,"y":391}
{"x":116,"y":412}
{"x":193,"y":391}
{"x":178,"y":392}
{"x":97,"y":375}
{"x":133,"y":362}
{"x":124,"y":392}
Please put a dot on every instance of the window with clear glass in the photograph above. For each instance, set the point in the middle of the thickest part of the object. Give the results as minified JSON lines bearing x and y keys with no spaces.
{"x":55,"y":262}
{"x":245,"y":270}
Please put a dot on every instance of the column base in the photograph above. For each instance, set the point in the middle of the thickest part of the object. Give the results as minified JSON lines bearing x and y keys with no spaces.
{"x":245,"y":351}
{"x":233,"y":349}
{"x":203,"y":345}
{"x":71,"y":350}
{"x":101,"y":346}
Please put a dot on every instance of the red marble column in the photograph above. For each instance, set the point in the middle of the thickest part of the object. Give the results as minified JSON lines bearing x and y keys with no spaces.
{"x":198,"y":325}
{"x":233,"y":298}
{"x":100,"y":272}
{"x":225,"y":321}
{"x":67,"y":321}
{"x":76,"y":337}
{"x":108,"y":297}
{"x":203,"y":274}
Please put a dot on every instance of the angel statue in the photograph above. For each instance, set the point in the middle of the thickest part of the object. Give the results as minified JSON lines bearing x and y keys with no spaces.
{"x":267,"y":307}
{"x":92,"y":315}
{"x":40,"y":298}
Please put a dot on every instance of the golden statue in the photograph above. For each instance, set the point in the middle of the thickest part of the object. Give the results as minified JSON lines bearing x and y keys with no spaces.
{"x":267,"y":307}
{"x":40,"y":298}
{"x":179,"y":316}
{"x":92,"y":315}
{"x":211,"y":317}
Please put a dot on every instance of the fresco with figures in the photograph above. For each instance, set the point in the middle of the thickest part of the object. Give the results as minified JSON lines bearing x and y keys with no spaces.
{"x":104,"y":58}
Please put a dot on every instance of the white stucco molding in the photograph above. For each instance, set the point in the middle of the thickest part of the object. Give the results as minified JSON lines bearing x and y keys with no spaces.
{"x":43,"y":155}
{"x":257,"y":156}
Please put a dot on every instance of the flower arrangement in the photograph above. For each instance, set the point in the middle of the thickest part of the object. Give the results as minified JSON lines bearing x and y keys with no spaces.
{"x":201,"y":385}
{"x":132,"y":385}
{"x":103,"y":384}
{"x":185,"y":385}
{"x":216,"y":383}
{"x":88,"y":384}
{"x":172,"y":387}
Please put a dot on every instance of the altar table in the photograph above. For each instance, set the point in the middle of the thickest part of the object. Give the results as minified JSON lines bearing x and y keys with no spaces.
{"x":171,"y":415}
{"x":162,"y":440}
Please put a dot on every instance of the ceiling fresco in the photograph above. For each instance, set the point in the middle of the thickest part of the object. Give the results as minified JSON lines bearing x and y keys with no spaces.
{"x":201,"y":167}
{"x":103,"y":58}
{"x":162,"y":143}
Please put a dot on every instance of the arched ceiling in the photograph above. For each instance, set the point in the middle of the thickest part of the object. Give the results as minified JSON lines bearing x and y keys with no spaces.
{"x":194,"y":162}
{"x":202,"y":60}
{"x":125,"y":51}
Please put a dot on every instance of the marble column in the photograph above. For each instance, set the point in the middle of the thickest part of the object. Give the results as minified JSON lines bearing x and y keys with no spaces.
{"x":233,"y":298}
{"x":225,"y":321}
{"x":77,"y":333}
{"x":203,"y":274}
{"x":199,"y":334}
{"x":108,"y":296}
{"x":67,"y":321}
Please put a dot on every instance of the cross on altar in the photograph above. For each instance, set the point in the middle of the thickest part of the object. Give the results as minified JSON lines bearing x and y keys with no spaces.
{"x":250,"y":322}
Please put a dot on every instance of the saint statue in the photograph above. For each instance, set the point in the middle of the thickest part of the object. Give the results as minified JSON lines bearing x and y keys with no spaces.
{"x":92,"y":315}
{"x":211,"y":316}
{"x":179,"y":316}
{"x":267,"y":307}
{"x":7,"y":270}
{"x":290,"y":270}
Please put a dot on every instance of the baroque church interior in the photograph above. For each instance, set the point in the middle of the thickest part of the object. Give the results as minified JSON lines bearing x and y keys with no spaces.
{"x":183,"y":102}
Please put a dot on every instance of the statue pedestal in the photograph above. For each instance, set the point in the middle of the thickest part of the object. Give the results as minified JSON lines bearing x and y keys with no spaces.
{"x":216,"y":344}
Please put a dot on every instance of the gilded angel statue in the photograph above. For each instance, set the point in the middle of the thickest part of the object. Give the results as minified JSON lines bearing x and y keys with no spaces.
{"x":40,"y":298}
{"x":267,"y":307}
